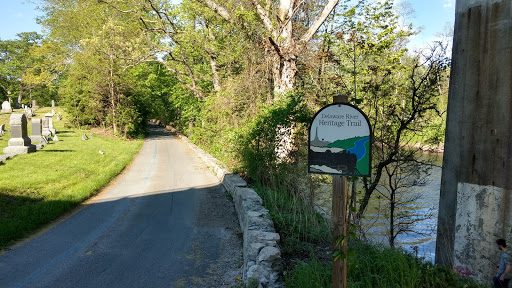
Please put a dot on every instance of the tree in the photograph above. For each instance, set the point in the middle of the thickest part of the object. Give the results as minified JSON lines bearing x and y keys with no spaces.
{"x":283,"y":48}
{"x":100,"y":55}
{"x":364,"y":55}
{"x":400,"y":178}
{"x":15,"y":58}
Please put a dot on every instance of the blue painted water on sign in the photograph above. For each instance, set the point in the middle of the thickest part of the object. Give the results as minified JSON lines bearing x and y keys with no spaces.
{"x":359,"y":149}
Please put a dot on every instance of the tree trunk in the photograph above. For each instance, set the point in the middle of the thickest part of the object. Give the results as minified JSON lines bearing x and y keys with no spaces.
{"x":392,"y":221}
{"x":215,"y":73}
{"x":112,"y":94}
{"x":285,"y":70}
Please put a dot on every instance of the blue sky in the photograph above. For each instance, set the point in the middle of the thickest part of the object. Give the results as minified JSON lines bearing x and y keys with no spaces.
{"x":432,"y":15}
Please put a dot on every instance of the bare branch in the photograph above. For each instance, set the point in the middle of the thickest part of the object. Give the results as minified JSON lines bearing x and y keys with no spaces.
{"x":319,"y":21}
{"x":219,"y":9}
{"x":264,"y":17}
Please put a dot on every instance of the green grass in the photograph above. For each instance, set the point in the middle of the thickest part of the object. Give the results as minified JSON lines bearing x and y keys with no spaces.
{"x":377,"y":266}
{"x":303,"y":232}
{"x":37,"y":188}
{"x":299,"y":225}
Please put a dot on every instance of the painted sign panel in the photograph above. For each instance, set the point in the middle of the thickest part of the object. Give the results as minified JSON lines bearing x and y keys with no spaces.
{"x":340,"y":142}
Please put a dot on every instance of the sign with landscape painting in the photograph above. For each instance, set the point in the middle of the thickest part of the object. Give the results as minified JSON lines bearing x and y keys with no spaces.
{"x":340,"y":142}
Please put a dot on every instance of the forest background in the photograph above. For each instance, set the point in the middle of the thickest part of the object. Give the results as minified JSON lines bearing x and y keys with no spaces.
{"x":243,"y":79}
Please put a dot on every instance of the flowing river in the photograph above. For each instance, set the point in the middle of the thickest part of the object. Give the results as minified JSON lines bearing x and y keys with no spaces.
{"x":422,"y":241}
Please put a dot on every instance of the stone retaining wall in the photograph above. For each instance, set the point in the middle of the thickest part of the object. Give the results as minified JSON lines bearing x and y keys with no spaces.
{"x":262,"y":256}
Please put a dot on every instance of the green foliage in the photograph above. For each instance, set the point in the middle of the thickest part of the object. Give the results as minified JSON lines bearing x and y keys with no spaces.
{"x":310,"y":274}
{"x":262,"y":135}
{"x":15,"y":59}
{"x":297,"y":223}
{"x":376,"y":266}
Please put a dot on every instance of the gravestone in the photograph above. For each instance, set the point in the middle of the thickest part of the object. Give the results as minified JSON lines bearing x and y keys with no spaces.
{"x":53,"y":104}
{"x":22,"y":106}
{"x":53,"y":112}
{"x":29,"y":112}
{"x":6,"y":107}
{"x":2,"y":130}
{"x":37,"y":128}
{"x":34,"y":104}
{"x":19,"y":143}
{"x":50,"y":123}
{"x":55,"y":138}
{"x":84,"y":137}
{"x":59,"y":117}
{"x":46,"y":126}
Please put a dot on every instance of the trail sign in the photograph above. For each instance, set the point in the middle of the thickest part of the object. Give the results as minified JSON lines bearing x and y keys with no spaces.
{"x":340,"y":142}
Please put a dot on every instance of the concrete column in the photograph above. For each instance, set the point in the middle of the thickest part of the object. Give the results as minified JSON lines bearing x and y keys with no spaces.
{"x":474,"y":206}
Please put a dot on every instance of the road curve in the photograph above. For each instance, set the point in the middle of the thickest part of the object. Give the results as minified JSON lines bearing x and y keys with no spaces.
{"x":166,"y":222}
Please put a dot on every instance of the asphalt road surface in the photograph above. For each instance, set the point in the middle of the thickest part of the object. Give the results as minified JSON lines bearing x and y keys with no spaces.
{"x":165,"y":222}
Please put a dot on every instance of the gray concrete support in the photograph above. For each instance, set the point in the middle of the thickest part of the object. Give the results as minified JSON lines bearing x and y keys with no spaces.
{"x":474,"y":206}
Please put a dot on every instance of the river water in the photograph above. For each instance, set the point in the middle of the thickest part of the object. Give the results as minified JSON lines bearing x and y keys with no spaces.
{"x":422,"y":241}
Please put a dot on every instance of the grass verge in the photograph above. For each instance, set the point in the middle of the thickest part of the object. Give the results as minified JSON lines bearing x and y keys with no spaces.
{"x":37,"y":188}
{"x":305,"y":242}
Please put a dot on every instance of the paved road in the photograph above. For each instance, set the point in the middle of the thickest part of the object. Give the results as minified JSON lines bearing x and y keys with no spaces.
{"x":166,"y":222}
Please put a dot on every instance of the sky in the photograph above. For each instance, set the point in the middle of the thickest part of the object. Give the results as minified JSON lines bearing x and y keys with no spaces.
{"x":431,"y":15}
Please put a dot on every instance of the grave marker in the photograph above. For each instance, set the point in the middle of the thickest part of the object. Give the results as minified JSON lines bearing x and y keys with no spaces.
{"x":19,"y":143}
{"x":37,"y":136}
{"x":6,"y":107}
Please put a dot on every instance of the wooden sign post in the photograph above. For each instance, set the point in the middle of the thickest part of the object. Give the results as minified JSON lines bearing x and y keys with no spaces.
{"x":339,"y":145}
{"x":339,"y":222}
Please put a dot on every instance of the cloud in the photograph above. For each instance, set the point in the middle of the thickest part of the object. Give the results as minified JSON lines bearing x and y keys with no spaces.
{"x":448,"y":3}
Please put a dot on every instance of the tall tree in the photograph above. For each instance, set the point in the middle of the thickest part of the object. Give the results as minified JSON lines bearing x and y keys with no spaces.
{"x":15,"y":58}
{"x":283,"y":45}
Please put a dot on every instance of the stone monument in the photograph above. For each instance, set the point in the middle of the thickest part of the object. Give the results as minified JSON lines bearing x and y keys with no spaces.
{"x":37,"y":128}
{"x":46,"y":126}
{"x":19,"y":143}
{"x":6,"y":107}
{"x":50,"y":122}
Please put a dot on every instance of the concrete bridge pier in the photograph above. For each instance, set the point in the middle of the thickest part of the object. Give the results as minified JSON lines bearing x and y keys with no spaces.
{"x":475,"y":203}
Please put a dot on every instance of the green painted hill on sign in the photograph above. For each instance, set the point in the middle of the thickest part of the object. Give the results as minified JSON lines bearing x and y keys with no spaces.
{"x":346,"y":143}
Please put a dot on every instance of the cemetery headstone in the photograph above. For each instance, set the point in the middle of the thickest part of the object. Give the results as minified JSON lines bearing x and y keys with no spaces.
{"x":84,"y":137}
{"x":46,"y":126}
{"x":53,"y":104}
{"x":19,"y":143}
{"x":55,"y":138}
{"x":35,"y":105}
{"x":2,"y":130}
{"x":50,"y":126}
{"x":6,"y":107}
{"x":59,"y":117}
{"x":53,"y":112}
{"x":37,"y":129}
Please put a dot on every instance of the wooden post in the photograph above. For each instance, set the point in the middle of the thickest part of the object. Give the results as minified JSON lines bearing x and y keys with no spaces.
{"x":339,"y":221}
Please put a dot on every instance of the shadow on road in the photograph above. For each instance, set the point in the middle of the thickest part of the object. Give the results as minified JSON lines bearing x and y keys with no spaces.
{"x":157,"y":133}
{"x":166,"y":238}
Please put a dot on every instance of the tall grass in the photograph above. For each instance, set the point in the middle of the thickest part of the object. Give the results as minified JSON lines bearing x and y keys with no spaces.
{"x":377,"y":266}
{"x":298,"y":224}
{"x":37,"y":188}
